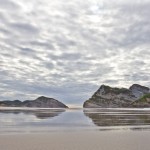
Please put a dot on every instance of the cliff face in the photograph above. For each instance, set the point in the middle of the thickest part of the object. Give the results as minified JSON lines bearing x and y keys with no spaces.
{"x":139,"y":91}
{"x":40,"y":102}
{"x":107,"y":96}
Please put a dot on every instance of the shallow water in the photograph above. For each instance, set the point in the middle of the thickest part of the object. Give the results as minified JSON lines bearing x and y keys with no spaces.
{"x":54,"y":120}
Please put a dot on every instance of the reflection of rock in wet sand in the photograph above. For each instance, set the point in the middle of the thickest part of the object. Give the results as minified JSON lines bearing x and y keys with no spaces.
{"x":118,"y":118}
{"x":40,"y":114}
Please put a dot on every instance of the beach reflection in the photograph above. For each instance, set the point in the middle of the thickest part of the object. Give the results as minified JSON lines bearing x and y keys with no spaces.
{"x":38,"y":113}
{"x":47,"y":120}
{"x":28,"y":120}
{"x":114,"y":118}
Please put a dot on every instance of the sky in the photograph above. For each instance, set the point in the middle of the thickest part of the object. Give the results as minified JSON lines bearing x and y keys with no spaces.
{"x":67,"y":49}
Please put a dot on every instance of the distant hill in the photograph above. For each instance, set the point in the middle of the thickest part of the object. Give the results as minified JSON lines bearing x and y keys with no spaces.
{"x":40,"y":102}
{"x":106,"y":97}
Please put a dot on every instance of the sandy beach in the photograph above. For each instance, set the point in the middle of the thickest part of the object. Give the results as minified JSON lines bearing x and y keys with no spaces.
{"x":91,"y":140}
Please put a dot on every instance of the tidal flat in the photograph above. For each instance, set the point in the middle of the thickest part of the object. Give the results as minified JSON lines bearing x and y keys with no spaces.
{"x":74,"y":129}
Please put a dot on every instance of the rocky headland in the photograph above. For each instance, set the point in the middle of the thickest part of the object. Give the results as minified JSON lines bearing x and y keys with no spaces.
{"x":111,"y":97}
{"x":40,"y":102}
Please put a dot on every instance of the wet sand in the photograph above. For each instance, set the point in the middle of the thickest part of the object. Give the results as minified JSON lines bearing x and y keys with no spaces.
{"x":80,"y":140}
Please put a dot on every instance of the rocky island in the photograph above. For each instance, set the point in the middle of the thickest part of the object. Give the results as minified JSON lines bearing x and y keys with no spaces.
{"x":109,"y":97}
{"x":40,"y":102}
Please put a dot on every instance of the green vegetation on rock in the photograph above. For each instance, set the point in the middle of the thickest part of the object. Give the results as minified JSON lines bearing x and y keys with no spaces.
{"x":120,"y":90}
{"x":115,"y":90}
{"x":143,"y":99}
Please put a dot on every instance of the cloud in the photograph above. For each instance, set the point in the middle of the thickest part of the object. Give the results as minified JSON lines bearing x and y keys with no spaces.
{"x":24,"y":28}
{"x":8,"y":5}
{"x":67,"y":50}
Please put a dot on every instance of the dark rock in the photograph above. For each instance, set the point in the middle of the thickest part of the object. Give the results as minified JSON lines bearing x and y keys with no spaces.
{"x":41,"y":102}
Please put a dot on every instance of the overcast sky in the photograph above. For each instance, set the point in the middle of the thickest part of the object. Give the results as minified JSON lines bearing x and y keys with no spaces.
{"x":67,"y":49}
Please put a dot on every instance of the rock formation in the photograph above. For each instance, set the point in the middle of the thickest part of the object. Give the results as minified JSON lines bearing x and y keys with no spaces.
{"x":105,"y":96}
{"x":40,"y":102}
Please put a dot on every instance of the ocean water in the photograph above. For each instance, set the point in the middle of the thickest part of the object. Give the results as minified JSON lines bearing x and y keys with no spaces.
{"x":18,"y":120}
